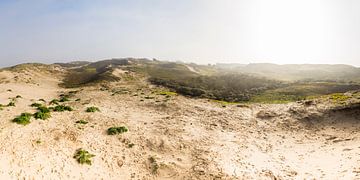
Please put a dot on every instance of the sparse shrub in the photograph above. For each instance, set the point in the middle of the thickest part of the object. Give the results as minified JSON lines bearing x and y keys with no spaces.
{"x":64,"y":99}
{"x":18,"y":96}
{"x":81,"y":122}
{"x":83,"y":157}
{"x":61,"y":108}
{"x":42,"y":115}
{"x":117,"y":130}
{"x":78,"y":100}
{"x":43,"y":109}
{"x":12,"y":103}
{"x":153,"y":165}
{"x":23,"y":119}
{"x":54,"y":101}
{"x":92,"y":109}
{"x":36,"y":105}
{"x":43,"y":100}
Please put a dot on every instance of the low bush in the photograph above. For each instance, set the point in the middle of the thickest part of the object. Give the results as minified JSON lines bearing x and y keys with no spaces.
{"x":42,"y":115}
{"x":117,"y":130}
{"x":61,"y":108}
{"x":92,"y":109}
{"x":36,"y":105}
{"x":83,"y":157}
{"x":54,"y":101}
{"x":64,"y":99}
{"x":23,"y":119}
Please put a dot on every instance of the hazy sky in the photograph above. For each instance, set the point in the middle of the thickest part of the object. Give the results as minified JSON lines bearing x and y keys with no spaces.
{"x":202,"y":31}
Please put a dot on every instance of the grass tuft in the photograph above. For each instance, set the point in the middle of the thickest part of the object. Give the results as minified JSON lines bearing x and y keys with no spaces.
{"x":36,"y":105}
{"x":61,"y":108}
{"x":92,"y":109}
{"x":83,"y":157}
{"x":23,"y":119}
{"x":117,"y":130}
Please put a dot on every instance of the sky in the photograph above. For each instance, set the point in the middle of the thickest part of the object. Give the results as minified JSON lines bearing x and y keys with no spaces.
{"x":200,"y":31}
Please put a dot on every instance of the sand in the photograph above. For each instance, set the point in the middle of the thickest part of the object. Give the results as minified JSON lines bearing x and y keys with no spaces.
{"x":188,"y":138}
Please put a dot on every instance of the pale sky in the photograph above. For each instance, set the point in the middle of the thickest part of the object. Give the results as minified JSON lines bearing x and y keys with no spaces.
{"x":200,"y":31}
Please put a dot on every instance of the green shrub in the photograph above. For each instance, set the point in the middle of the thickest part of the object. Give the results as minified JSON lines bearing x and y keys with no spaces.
{"x":43,"y":109}
{"x":83,"y":156}
{"x":54,"y":101}
{"x":23,"y":119}
{"x":92,"y":109}
{"x":36,"y":105}
{"x":64,"y":99}
{"x":42,"y":115}
{"x":61,"y":108}
{"x":117,"y":130}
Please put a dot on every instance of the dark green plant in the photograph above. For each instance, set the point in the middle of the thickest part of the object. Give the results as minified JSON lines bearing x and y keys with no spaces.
{"x":83,"y":157}
{"x":64,"y":99}
{"x":23,"y":119}
{"x":61,"y":108}
{"x":43,"y":109}
{"x":42,"y":115}
{"x":36,"y":105}
{"x":117,"y":130}
{"x":54,"y":101}
{"x":92,"y":109}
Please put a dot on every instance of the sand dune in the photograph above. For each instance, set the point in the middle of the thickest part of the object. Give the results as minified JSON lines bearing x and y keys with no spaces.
{"x":185,"y":138}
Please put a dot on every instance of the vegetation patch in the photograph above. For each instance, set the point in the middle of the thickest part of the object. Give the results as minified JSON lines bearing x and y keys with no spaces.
{"x":117,"y":130}
{"x":154,"y":166}
{"x":43,"y":113}
{"x":92,"y":109}
{"x":83,"y":157}
{"x":36,"y":105}
{"x":61,"y":108}
{"x":64,"y":99}
{"x":54,"y":101}
{"x":23,"y":119}
{"x":167,"y":93}
{"x":11,"y":103}
{"x":339,"y":97}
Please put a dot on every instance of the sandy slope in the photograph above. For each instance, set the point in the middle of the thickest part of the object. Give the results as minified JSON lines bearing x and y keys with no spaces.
{"x":189,"y":138}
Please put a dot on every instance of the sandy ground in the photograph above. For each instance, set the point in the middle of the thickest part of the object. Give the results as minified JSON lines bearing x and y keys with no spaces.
{"x":188,"y":138}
